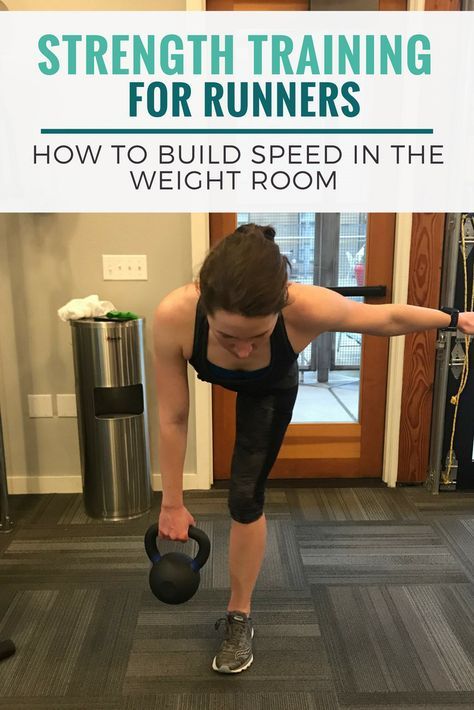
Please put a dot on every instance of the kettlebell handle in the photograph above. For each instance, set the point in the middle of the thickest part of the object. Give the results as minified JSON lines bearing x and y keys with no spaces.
{"x":200,"y":536}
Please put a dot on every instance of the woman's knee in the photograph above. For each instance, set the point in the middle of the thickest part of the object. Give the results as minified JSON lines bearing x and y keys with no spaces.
{"x":245,"y":517}
{"x":245,"y":509}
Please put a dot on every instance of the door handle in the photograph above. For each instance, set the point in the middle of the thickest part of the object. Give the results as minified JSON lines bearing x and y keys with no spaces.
{"x":367,"y":291}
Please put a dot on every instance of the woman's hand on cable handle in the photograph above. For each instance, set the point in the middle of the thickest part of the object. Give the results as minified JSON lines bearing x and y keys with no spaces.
{"x":174,"y":522}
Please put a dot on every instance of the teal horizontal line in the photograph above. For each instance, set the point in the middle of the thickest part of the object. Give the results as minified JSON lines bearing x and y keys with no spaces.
{"x":235,"y":131}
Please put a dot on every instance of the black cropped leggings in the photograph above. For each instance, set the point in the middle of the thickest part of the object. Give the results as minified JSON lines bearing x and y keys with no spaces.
{"x":261,"y":422}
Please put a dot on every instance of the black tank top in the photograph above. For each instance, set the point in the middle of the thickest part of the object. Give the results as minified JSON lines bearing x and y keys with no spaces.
{"x":282,"y":360}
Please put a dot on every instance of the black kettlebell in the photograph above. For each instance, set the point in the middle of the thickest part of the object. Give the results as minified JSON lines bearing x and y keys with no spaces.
{"x":174,"y":577}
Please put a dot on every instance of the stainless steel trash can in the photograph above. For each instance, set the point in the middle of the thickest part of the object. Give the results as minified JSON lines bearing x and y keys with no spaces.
{"x":112,"y":417}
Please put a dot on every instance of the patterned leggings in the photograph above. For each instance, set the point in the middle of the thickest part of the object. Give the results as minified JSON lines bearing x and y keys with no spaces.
{"x":262,"y":419}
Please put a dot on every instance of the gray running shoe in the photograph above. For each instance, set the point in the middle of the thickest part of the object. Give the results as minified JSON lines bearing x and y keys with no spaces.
{"x":235,"y":652}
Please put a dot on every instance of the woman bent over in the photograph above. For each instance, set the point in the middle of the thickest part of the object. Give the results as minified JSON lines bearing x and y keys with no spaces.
{"x":242,"y":326}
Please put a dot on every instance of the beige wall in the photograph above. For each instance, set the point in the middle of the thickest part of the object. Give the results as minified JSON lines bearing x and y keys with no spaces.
{"x":45,"y":260}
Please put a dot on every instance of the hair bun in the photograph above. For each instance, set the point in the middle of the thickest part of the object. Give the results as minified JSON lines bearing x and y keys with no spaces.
{"x":268,"y":233}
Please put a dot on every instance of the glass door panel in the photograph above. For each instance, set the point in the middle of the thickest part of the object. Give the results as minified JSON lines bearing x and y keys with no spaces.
{"x":325,"y":250}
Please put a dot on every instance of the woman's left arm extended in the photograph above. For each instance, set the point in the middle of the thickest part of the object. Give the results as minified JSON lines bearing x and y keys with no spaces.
{"x":397,"y":319}
{"x":326,"y":310}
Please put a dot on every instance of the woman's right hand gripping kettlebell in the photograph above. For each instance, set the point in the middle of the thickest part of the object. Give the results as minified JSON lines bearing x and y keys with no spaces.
{"x":174,"y":522}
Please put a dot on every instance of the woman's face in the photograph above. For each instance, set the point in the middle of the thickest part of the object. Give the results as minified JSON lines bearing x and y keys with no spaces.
{"x":241,"y":335}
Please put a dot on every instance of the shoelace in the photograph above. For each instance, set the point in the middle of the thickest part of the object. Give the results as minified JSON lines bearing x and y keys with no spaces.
{"x":235,"y":629}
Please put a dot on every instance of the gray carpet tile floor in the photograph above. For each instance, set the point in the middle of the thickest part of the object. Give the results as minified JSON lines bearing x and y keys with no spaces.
{"x":365,"y":601}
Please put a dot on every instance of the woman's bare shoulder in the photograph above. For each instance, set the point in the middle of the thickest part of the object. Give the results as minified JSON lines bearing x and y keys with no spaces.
{"x":174,"y":318}
{"x":178,"y":305}
{"x":309,"y":312}
{"x":304,"y":297}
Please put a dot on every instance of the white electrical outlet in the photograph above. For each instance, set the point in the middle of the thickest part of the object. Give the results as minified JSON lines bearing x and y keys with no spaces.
{"x":124,"y":267}
{"x":40,"y":405}
{"x":66,"y":405}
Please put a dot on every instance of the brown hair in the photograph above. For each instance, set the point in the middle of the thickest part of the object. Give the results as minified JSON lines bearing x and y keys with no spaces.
{"x":245,"y":273}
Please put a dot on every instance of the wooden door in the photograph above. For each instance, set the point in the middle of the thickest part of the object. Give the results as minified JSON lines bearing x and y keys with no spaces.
{"x":330,"y":449}
{"x":336,"y":449}
{"x":304,"y":5}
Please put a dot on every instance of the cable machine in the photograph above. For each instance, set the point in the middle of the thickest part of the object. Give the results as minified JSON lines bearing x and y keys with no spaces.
{"x":5,"y":522}
{"x":7,"y":648}
{"x":451,"y":464}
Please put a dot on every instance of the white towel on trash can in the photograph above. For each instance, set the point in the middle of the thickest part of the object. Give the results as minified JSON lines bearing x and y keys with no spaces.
{"x":88,"y":307}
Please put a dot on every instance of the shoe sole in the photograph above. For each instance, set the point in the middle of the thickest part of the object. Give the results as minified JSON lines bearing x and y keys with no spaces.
{"x":236,"y":670}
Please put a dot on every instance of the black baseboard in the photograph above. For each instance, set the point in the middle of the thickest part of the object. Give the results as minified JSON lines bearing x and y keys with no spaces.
{"x":315,"y":483}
